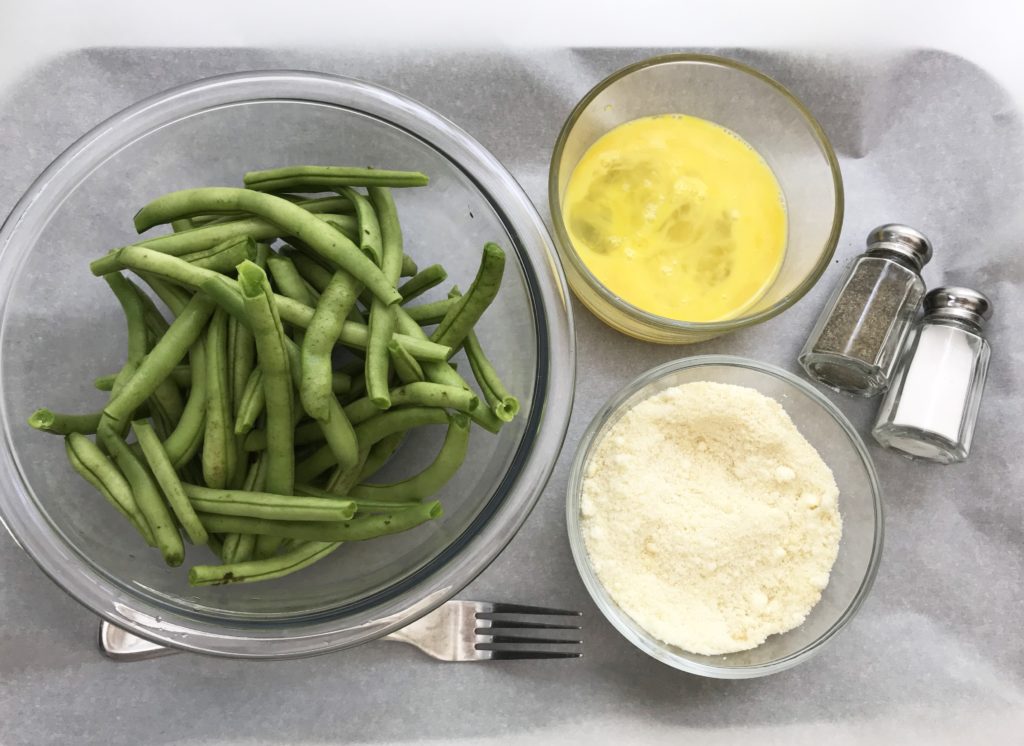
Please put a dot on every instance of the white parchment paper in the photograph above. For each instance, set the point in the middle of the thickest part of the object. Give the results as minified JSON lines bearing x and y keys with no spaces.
{"x":936,"y":655}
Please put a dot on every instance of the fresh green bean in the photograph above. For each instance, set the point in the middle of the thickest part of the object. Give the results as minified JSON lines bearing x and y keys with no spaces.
{"x":240,"y":548}
{"x":269,"y":506}
{"x":302,"y":555}
{"x":173,"y":296}
{"x":431,"y":313}
{"x":206,"y":237}
{"x":417,"y":394}
{"x":430,"y":480}
{"x":160,"y":361}
{"x":341,"y":383}
{"x":98,"y":470}
{"x":329,"y":242}
{"x":312,"y":271}
{"x":382,"y":315}
{"x":288,"y":281}
{"x":276,"y":371}
{"x":379,"y":455}
{"x":362,"y":506}
{"x":241,"y":363}
{"x":370,"y":240}
{"x":252,"y":402}
{"x":384,"y":424}
{"x":60,"y":423}
{"x":184,"y":441}
{"x":502,"y":403}
{"x":147,"y":496}
{"x":409,"y":267}
{"x":163,"y":470}
{"x":134,"y":312}
{"x":422,"y":281}
{"x":183,"y":224}
{"x":181,"y":376}
{"x":216,"y":546}
{"x":220,"y":453}
{"x":298,"y":314}
{"x":329,"y":178}
{"x":461,"y":318}
{"x":359,"y":528}
{"x":321,"y":335}
{"x":335,"y":204}
{"x":225,"y":256}
{"x":406,"y":367}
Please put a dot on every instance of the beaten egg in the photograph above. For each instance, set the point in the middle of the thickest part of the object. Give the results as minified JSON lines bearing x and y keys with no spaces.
{"x":678,"y":216}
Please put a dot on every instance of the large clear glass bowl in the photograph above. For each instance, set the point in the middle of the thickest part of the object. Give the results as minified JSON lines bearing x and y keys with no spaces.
{"x":860,"y":505}
{"x":60,"y":328}
{"x":761,"y":111}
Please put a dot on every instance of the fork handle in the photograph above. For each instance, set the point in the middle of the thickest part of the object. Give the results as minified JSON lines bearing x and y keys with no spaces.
{"x":123,"y":646}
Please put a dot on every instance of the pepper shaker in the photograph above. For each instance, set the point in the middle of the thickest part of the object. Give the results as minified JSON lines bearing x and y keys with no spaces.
{"x":931,"y":409}
{"x":856,"y":343}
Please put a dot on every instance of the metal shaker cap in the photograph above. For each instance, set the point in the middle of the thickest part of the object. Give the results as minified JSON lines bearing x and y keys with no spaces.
{"x":903,"y":240}
{"x":959,"y":303}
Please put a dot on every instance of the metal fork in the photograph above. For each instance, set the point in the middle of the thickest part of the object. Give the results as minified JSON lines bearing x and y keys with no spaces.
{"x":456,"y":631}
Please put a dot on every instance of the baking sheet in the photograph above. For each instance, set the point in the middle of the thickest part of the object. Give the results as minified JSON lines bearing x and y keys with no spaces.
{"x":936,"y":655}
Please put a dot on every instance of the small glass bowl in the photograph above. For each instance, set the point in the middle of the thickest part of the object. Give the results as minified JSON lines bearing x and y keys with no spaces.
{"x":860,"y":505}
{"x":60,"y":327}
{"x":758,"y":109}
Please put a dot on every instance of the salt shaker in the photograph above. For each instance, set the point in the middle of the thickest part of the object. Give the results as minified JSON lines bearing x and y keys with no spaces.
{"x":930,"y":410}
{"x":856,"y":342}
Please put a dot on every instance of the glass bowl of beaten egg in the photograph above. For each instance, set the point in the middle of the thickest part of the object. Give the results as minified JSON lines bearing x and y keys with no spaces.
{"x":690,"y":196}
{"x":659,"y":585}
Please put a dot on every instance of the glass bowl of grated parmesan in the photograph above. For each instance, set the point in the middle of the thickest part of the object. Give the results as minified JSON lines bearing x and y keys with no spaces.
{"x":724,"y":516}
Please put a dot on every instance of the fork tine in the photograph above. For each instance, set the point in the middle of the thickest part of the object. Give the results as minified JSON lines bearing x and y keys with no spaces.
{"x":509,"y":655}
{"x":500,"y":608}
{"x":496,"y":623}
{"x":496,"y":639}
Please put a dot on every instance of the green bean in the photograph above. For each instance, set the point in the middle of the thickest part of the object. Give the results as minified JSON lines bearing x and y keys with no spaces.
{"x":131,"y":304}
{"x":312,"y":272}
{"x":370,"y":240}
{"x":183,"y":224}
{"x":206,"y":237}
{"x":269,"y":506}
{"x":306,"y":434}
{"x":409,"y":267}
{"x":431,"y":313}
{"x":422,"y":281}
{"x":417,"y":394}
{"x":216,"y":546}
{"x":59,"y":423}
{"x":288,"y":280}
{"x":379,"y":455}
{"x":147,"y":497}
{"x":341,"y":383}
{"x":229,"y":550}
{"x":430,"y":480}
{"x":502,"y":403}
{"x":219,"y":448}
{"x":173,"y":296}
{"x":362,"y":506}
{"x":343,"y":479}
{"x":241,"y":363}
{"x":184,"y":441}
{"x":241,"y":547}
{"x":382,"y":316}
{"x":359,"y":528}
{"x":329,"y":242}
{"x":163,"y":470}
{"x":251,"y":404}
{"x":406,"y":367}
{"x":250,"y":571}
{"x":160,"y":361}
{"x":276,"y":367}
{"x":321,"y":335}
{"x":225,"y":256}
{"x":461,"y":319}
{"x":98,"y":470}
{"x":329,"y":178}
{"x":298,"y":314}
{"x":315,"y":464}
{"x":181,"y":376}
{"x":335,"y":204}
{"x":384,"y":424}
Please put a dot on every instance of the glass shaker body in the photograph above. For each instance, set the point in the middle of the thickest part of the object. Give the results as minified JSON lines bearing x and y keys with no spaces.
{"x":931,"y":408}
{"x":856,"y":343}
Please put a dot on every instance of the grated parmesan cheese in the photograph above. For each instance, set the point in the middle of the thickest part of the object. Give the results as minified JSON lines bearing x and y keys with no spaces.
{"x":709,"y":518}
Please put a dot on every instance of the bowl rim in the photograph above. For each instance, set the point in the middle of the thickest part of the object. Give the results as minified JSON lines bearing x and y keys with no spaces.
{"x":615,"y":615}
{"x":531,"y":464}
{"x":664,"y":324}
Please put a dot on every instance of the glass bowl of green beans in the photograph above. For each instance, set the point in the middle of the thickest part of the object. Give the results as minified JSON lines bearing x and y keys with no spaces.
{"x":62,"y":335}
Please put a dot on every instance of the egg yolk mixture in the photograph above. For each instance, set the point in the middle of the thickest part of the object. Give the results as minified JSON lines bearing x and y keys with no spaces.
{"x":678,"y":216}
